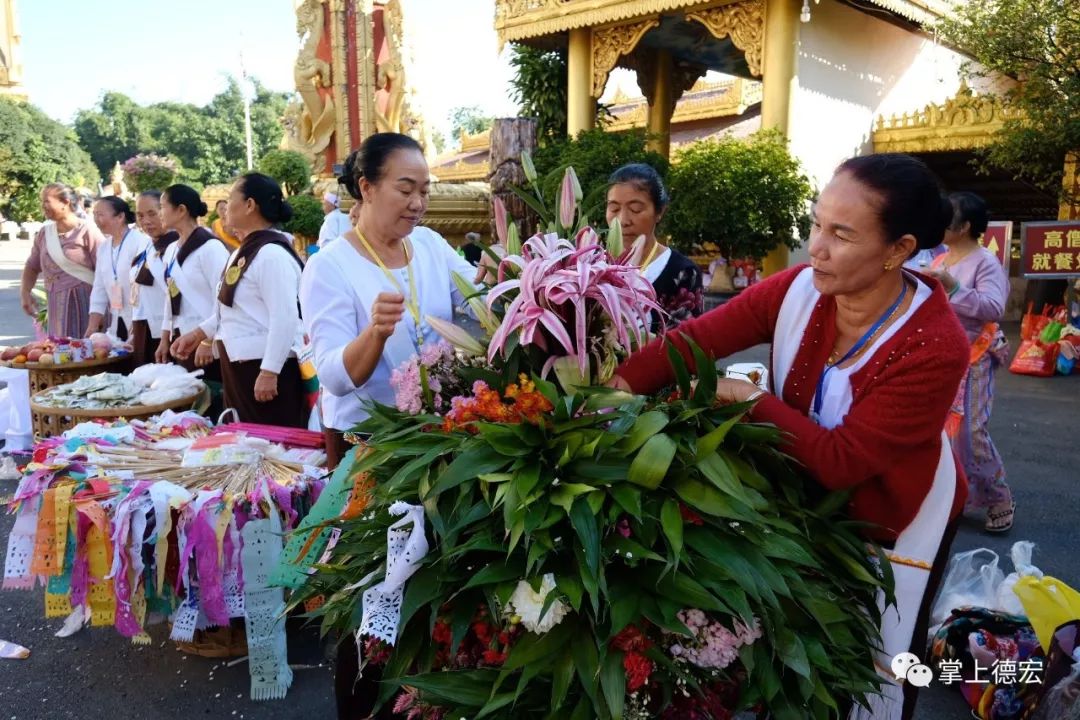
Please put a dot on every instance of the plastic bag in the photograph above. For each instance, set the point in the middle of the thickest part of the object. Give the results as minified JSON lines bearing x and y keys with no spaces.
{"x":1062,"y":700}
{"x":972,"y":579}
{"x":1035,"y":358}
{"x":1032,"y":324}
{"x":1007,"y":600}
{"x":1049,"y":603}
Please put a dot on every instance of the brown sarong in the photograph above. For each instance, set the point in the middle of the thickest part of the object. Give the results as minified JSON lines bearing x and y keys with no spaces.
{"x":288,"y":409}
{"x":143,"y":346}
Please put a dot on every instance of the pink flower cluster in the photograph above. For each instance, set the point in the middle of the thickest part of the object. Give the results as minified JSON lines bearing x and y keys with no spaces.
{"x":408,"y":392}
{"x":713,"y":645}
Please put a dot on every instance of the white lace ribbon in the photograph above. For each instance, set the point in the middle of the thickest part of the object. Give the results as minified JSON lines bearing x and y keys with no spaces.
{"x":405,"y":548}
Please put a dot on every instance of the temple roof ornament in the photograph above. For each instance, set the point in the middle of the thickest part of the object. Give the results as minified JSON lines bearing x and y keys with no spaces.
{"x":743,"y":21}
{"x":963,"y":122}
{"x":611,"y":43}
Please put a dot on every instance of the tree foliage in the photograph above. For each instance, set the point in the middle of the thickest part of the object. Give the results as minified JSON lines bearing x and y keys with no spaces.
{"x":36,"y":150}
{"x":594,"y":154}
{"x":149,"y":171}
{"x":208,"y":142}
{"x":470,"y":120}
{"x":289,"y":168}
{"x":747,"y":196}
{"x":1037,"y":43}
{"x":307,"y":217}
{"x":539,"y":88}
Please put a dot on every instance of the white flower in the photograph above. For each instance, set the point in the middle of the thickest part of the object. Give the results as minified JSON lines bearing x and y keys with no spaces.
{"x":528,"y":604}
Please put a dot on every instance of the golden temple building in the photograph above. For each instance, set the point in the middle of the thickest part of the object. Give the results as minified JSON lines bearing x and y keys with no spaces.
{"x":11,"y":71}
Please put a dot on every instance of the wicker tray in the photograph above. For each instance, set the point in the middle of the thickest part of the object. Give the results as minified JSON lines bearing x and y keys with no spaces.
{"x":49,"y":421}
{"x":43,"y":377}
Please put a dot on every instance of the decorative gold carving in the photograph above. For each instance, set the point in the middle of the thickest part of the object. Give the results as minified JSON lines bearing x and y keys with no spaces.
{"x":338,"y":50}
{"x":963,"y":122}
{"x":312,"y":123}
{"x":644,"y":66}
{"x":523,"y":19}
{"x":704,"y":101}
{"x":11,"y":70}
{"x":462,"y":171}
{"x":458,"y":209}
{"x":744,"y":22}
{"x":472,"y":143}
{"x":390,"y":75}
{"x":611,"y":43}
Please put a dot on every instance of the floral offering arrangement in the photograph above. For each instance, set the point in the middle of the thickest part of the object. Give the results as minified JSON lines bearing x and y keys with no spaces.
{"x":60,"y":350}
{"x":522,"y":542}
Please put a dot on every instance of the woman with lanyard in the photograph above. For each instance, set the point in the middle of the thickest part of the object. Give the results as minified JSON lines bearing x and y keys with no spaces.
{"x":112,"y":274}
{"x":637,"y":196}
{"x":256,"y":319}
{"x":866,"y":358}
{"x":193,"y":267}
{"x":978,"y":289}
{"x":148,"y":294}
{"x":364,"y":300}
{"x":65,"y":250}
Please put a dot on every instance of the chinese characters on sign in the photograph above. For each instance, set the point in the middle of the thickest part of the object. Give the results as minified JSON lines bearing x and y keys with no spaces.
{"x":1001,"y":672}
{"x":1051,"y":249}
{"x":998,"y":240}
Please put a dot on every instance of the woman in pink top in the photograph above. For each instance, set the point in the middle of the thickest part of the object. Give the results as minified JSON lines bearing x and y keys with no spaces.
{"x":65,"y":249}
{"x":978,"y":289}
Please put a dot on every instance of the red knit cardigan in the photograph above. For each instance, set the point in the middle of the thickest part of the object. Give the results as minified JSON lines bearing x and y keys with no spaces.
{"x":889,"y":444}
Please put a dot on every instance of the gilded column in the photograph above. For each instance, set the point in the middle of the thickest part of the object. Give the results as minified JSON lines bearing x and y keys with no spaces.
{"x":661,"y":103}
{"x":781,"y":48}
{"x":580,"y":106}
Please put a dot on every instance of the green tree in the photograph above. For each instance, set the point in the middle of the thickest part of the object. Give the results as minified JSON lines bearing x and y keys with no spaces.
{"x":539,"y":89}
{"x":470,"y":120}
{"x":746,"y":196}
{"x":594,"y":154}
{"x":307,"y":217}
{"x":439,"y":141}
{"x":1037,"y":43}
{"x":113,"y":131}
{"x":36,"y":150}
{"x":289,"y":168}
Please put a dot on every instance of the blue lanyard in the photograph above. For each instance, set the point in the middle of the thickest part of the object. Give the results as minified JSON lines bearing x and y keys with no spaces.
{"x":116,"y":258}
{"x":168,"y":270}
{"x":855,"y":349}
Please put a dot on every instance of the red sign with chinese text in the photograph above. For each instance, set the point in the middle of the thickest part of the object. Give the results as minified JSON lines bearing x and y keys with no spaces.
{"x":998,"y":240}
{"x":1051,"y":249}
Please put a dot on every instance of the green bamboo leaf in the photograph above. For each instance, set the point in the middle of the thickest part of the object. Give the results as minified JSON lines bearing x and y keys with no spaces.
{"x":629,"y":499}
{"x":584,"y":522}
{"x":422,"y":588}
{"x":672,"y":522}
{"x":682,"y":373}
{"x":586,"y":661}
{"x":613,"y":683}
{"x":561,"y":679}
{"x":571,"y":587}
{"x":532,"y":648}
{"x":646,"y":426}
{"x":566,"y":493}
{"x":496,"y":703}
{"x":651,"y":464}
{"x":705,"y":392}
{"x":792,"y":652}
{"x":709,"y":442}
{"x":470,"y":688}
{"x":707,"y":499}
{"x":476,"y":460}
{"x":493,"y":574}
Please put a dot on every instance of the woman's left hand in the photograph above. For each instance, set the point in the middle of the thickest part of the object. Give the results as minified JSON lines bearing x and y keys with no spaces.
{"x":265,"y":386}
{"x":732,"y":392}
{"x":947,"y":281}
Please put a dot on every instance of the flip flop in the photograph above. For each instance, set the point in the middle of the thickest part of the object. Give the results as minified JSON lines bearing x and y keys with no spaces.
{"x":1001,"y":521}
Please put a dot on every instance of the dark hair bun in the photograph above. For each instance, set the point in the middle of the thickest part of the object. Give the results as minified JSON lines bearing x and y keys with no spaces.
{"x":266,"y":193}
{"x":187,"y":196}
{"x":369,"y":161}
{"x":286,"y":211}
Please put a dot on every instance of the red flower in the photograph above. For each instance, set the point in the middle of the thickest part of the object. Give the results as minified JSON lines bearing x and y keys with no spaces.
{"x":441,"y":634}
{"x":484,"y":631}
{"x":631,"y":639}
{"x":638,"y":669}
{"x":689,"y":515}
{"x":623,"y":526}
{"x":493,"y":657}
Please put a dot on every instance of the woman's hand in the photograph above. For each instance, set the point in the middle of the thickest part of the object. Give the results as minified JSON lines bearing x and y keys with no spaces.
{"x":488,"y":270}
{"x":97,"y":320}
{"x":204,"y":354}
{"x":947,"y":281}
{"x":732,"y":392}
{"x":185,"y":344}
{"x":265,"y":386}
{"x":161,"y":355}
{"x":29,"y":304}
{"x":386,"y":313}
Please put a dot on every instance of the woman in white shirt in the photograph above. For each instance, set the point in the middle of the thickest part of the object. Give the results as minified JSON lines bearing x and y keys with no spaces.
{"x":111,"y":295}
{"x":256,"y":317}
{"x":148,"y":295}
{"x":193,"y":266}
{"x":364,"y":299}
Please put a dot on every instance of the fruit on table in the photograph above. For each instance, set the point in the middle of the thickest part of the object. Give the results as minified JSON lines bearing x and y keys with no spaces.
{"x":9,"y":354}
{"x":46,"y":359}
{"x":34,"y":354}
{"x":20,"y":359}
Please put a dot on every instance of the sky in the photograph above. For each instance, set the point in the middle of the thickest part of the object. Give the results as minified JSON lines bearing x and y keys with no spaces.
{"x":74,"y":50}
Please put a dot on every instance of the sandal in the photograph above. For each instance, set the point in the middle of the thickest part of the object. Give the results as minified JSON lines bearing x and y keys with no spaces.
{"x":1000,"y":521}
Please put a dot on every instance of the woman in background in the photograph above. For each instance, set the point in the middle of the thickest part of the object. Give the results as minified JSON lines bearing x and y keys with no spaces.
{"x":978,"y":289}
{"x":65,"y":249}
{"x":111,"y":295}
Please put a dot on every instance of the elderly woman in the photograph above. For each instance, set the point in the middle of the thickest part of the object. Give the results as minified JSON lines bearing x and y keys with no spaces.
{"x":866,"y":359}
{"x":638,"y":198}
{"x":978,"y":289}
{"x":365,"y":299}
{"x":111,"y":296}
{"x":148,"y":293}
{"x":65,"y":249}
{"x":255,"y":325}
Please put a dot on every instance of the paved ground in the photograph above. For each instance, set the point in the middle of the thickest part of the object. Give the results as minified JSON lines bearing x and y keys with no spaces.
{"x":96,"y":674}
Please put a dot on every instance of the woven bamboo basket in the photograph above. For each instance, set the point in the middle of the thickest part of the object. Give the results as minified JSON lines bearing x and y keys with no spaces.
{"x":43,"y":377}
{"x":49,"y":421}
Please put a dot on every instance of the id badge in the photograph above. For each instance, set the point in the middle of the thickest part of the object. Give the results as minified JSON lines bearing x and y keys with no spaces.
{"x":135,"y":294}
{"x":116,"y":297}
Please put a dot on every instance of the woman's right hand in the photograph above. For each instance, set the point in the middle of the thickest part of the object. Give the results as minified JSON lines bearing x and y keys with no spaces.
{"x":204,"y":355}
{"x":161,"y":355}
{"x":386,"y":313}
{"x":29,"y":304}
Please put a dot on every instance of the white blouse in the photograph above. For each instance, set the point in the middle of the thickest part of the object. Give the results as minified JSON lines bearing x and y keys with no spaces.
{"x":148,"y":300}
{"x":337,"y":290}
{"x":112,"y":278}
{"x":197,"y":279}
{"x":264,"y":320}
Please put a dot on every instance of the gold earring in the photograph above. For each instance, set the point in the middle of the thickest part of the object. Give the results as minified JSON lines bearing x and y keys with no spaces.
{"x":888,"y":267}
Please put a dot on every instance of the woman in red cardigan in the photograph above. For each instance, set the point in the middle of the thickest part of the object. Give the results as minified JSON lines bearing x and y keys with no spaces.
{"x":866,"y":359}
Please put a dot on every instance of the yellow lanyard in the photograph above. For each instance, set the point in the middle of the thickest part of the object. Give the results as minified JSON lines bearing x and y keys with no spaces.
{"x":412,"y":304}
{"x":652,"y":254}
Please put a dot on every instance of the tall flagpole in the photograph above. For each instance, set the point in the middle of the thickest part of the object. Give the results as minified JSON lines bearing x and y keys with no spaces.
{"x":245,"y":91}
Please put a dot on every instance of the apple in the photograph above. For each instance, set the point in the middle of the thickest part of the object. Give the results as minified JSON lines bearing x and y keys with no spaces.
{"x":9,"y":354}
{"x":46,"y":358}
{"x":34,"y":354}
{"x":20,"y":359}
{"x":100,"y":353}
